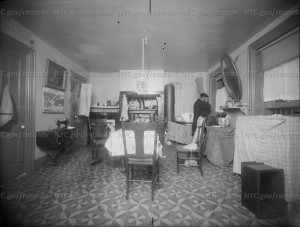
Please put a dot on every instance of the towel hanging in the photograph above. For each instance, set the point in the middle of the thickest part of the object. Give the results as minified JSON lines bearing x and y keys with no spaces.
{"x":124,"y":113}
{"x":6,"y":108}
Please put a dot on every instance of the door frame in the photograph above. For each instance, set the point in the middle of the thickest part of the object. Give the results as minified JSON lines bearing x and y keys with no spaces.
{"x":29,"y":133}
{"x":76,"y":77}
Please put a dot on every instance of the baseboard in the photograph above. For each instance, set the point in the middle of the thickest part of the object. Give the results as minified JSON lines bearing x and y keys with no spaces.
{"x":39,"y":162}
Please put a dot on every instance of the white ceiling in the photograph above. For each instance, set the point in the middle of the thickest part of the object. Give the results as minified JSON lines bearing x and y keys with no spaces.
{"x":177,"y":42}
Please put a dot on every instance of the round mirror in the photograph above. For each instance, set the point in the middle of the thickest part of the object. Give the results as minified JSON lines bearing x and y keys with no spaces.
{"x":231,"y":78}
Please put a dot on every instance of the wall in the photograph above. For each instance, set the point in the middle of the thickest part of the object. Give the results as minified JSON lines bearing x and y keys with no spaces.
{"x":43,"y":51}
{"x":186,"y":92}
{"x":106,"y":86}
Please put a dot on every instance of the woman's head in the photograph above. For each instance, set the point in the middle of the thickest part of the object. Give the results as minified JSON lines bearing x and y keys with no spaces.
{"x":204,"y":97}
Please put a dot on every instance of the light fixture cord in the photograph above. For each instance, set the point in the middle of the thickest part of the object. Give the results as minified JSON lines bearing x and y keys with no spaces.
{"x":143,"y":55}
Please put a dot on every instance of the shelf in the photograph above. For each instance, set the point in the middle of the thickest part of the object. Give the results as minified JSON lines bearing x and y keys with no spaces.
{"x":283,"y":104}
{"x":143,"y":111}
{"x":106,"y":109}
{"x":143,"y":96}
{"x":243,"y":109}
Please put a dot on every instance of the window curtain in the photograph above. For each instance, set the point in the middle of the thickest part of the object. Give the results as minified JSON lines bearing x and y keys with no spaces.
{"x":282,"y":82}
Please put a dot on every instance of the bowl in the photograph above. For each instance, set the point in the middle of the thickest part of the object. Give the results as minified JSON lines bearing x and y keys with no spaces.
{"x":223,"y":122}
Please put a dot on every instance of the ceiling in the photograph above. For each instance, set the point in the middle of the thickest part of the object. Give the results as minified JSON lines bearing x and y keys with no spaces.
{"x":183,"y":36}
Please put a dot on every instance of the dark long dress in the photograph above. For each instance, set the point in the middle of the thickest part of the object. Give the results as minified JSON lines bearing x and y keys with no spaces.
{"x":202,"y":109}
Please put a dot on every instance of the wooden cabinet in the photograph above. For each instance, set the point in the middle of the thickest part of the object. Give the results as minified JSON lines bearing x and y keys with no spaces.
{"x":150,"y":112}
{"x":153,"y":112}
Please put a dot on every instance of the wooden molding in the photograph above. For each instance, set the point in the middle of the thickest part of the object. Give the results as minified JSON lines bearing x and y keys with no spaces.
{"x":30,"y":98}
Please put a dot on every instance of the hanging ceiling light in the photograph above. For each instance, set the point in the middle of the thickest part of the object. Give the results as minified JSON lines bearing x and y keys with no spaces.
{"x":150,"y":6}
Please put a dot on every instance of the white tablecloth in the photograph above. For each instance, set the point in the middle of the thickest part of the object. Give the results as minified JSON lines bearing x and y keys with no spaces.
{"x":273,"y":140}
{"x":114,"y":143}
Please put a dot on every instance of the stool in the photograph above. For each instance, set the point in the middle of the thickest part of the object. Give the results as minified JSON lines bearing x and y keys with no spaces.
{"x":263,"y":190}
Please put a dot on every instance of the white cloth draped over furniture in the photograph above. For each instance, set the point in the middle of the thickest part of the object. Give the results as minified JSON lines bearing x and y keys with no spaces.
{"x":273,"y":140}
{"x":6,"y":108}
{"x":282,"y":82}
{"x":219,"y":147}
{"x":193,"y":145}
{"x":182,"y":133}
{"x":115,"y":146}
{"x":124,"y":113}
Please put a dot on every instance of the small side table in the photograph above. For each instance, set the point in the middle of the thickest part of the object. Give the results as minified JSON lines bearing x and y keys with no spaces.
{"x":263,"y":190}
{"x":56,"y":142}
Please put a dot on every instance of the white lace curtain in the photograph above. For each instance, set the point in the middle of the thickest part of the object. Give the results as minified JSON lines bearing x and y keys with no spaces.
{"x":282,"y":82}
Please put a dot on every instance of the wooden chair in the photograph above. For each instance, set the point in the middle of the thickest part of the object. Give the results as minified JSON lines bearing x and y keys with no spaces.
{"x":134,"y":162}
{"x":184,"y":154}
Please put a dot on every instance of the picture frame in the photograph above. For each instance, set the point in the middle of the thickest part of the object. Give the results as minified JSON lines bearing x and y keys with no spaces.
{"x":56,"y":76}
{"x":53,"y":101}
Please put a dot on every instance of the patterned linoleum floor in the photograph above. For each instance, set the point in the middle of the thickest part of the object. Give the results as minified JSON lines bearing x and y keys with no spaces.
{"x":77,"y":194}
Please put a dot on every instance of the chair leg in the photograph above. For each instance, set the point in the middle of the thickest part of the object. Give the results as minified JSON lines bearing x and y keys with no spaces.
{"x":200,"y":164}
{"x":156,"y":179}
{"x":127,"y":182}
{"x":153,"y":182}
{"x":158,"y":174}
{"x":131,"y":170}
{"x":177,"y":163}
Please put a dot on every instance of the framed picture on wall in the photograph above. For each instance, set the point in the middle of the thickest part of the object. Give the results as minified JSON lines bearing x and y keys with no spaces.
{"x":53,"y":101}
{"x":56,"y":76}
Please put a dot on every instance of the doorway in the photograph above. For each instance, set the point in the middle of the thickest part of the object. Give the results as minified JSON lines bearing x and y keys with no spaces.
{"x":79,"y":122}
{"x":17,"y":98}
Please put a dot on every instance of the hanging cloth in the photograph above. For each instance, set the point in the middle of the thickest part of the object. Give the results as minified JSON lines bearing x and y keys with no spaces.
{"x":6,"y":108}
{"x":85,"y":99}
{"x":124,"y":113}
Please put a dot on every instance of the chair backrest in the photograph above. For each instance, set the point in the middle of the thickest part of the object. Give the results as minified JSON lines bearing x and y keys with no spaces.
{"x":201,"y":134}
{"x":139,"y":128}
